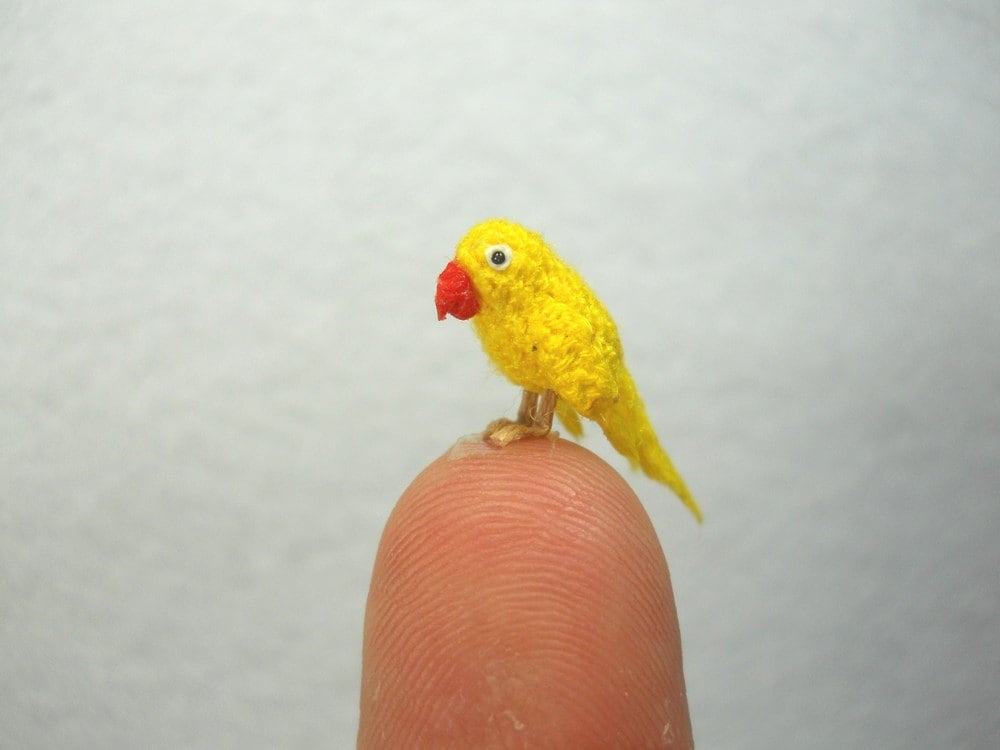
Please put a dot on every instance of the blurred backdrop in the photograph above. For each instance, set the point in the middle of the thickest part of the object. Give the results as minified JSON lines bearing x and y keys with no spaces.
{"x":220,"y":229}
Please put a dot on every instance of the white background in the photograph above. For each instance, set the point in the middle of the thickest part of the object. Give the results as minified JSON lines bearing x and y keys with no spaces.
{"x":220,"y":229}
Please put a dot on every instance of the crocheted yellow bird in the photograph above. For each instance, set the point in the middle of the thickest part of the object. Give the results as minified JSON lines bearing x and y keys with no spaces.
{"x":548,"y":333}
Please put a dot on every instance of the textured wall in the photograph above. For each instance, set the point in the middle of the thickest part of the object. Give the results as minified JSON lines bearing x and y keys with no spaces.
{"x":220,"y":227}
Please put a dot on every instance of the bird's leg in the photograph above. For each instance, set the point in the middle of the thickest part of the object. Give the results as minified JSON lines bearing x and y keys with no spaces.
{"x":541,"y":418}
{"x":534,"y":419}
{"x":529,"y":402}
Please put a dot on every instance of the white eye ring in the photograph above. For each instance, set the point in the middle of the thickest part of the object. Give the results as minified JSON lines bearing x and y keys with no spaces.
{"x":499,"y":256}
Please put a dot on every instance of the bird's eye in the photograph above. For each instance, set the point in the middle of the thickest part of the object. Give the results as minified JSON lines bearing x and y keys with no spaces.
{"x":499,"y":256}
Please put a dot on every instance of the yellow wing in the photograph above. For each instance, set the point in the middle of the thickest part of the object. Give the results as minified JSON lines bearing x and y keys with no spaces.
{"x":576,"y":355}
{"x":582,"y":356}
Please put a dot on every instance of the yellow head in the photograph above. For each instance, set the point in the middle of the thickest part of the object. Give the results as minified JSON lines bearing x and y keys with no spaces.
{"x":498,"y":265}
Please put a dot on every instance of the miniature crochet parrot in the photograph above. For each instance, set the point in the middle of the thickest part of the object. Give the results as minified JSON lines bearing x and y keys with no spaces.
{"x":544,"y":329}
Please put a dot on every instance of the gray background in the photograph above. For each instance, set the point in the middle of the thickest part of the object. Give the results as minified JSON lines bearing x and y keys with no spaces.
{"x":220,"y":228}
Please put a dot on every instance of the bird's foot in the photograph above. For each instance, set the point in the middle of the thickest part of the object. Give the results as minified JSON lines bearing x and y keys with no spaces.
{"x":534,"y":419}
{"x":502,"y":432}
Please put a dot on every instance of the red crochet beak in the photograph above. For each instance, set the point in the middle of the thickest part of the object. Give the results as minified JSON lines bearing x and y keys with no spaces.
{"x":455,"y":293}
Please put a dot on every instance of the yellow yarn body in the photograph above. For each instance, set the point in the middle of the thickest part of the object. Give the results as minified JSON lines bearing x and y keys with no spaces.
{"x":544,"y":328}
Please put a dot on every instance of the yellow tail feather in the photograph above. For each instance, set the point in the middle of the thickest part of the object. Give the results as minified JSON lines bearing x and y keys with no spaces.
{"x":569,"y":418}
{"x":627,"y":428}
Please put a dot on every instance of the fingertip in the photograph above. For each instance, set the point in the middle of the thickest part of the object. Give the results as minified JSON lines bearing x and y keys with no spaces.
{"x":520,"y":597}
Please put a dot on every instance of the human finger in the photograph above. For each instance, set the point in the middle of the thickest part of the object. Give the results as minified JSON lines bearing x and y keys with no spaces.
{"x":520,"y":598}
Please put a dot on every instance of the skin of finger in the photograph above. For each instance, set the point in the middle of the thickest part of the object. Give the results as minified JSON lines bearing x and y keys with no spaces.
{"x":520,"y":598}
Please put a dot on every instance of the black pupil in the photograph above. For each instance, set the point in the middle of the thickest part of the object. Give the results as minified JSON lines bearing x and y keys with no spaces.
{"x":498,"y":258}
